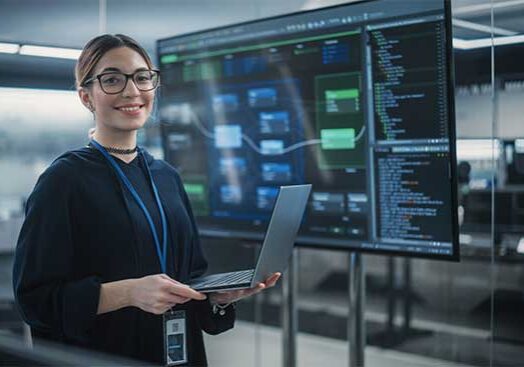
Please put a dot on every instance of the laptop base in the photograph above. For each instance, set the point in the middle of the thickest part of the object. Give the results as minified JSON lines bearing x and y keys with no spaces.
{"x":223,"y":281}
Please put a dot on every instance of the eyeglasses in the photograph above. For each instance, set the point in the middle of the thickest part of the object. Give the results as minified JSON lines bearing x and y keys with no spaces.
{"x":114,"y":82}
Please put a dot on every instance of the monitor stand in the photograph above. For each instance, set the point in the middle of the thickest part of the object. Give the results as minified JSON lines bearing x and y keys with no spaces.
{"x":290,"y":312}
{"x":356,"y":326}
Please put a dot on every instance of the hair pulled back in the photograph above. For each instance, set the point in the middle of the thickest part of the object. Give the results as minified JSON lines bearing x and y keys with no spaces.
{"x":97,"y":47}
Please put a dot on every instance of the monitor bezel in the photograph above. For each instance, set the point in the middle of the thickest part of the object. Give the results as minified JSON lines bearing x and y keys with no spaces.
{"x":352,"y":245}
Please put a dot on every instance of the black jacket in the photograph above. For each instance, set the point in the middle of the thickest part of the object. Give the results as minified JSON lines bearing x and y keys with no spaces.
{"x":80,"y":231}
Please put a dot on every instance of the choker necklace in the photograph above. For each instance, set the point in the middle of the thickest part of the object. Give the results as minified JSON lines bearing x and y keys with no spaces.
{"x":121,"y":151}
{"x":118,"y":150}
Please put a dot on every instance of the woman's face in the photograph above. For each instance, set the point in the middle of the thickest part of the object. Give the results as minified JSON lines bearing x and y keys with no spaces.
{"x":129,"y":109}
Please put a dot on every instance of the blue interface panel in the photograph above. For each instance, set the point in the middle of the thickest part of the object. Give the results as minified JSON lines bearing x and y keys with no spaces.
{"x":354,"y":99}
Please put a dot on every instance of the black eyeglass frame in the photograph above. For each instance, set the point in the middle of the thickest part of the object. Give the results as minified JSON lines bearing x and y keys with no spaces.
{"x":128,"y":76}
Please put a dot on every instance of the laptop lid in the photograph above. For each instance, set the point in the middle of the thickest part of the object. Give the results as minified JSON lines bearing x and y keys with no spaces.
{"x":282,"y":230}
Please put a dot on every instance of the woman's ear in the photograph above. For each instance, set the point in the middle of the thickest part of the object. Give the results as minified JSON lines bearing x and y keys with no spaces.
{"x":86,"y":99}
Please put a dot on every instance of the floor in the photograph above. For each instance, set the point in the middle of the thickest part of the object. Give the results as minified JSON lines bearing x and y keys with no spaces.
{"x":237,"y":348}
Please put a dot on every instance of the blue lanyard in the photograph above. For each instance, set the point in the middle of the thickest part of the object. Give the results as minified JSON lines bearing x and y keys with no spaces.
{"x":160,"y":251}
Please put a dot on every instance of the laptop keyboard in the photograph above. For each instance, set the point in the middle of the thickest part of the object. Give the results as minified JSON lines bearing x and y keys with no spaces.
{"x":233,"y":278}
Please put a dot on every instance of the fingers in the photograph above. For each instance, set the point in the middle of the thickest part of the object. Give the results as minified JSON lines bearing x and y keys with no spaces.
{"x":166,"y":277}
{"x":231,"y":296}
{"x":158,"y":293}
{"x":272,"y":280}
{"x":182,"y":290}
{"x":181,"y":293}
{"x":252,"y":291}
{"x":258,"y":288}
{"x":228,"y":296}
{"x":167,"y":303}
{"x":185,"y":291}
{"x":269,"y":282}
{"x":171,"y":280}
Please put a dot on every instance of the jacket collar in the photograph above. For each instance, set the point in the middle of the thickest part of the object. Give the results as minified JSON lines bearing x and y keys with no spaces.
{"x":92,"y":154}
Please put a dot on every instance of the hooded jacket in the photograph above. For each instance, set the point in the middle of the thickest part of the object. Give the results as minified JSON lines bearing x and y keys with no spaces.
{"x":82,"y":229}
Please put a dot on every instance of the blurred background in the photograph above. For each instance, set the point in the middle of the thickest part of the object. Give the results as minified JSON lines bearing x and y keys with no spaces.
{"x":417,"y":312}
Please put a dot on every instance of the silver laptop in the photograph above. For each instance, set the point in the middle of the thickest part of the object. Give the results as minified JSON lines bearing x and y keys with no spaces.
{"x":277,"y":247}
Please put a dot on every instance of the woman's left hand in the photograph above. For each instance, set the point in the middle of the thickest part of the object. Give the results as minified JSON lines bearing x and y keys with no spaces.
{"x":233,"y":296}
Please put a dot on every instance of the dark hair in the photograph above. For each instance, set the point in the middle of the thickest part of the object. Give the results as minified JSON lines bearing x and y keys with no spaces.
{"x":97,"y":47}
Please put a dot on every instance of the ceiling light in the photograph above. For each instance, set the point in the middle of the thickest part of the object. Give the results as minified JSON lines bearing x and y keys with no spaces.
{"x":483,"y":7}
{"x":486,"y":42}
{"x":482,"y":28}
{"x":58,"y":52}
{"x":9,"y":48}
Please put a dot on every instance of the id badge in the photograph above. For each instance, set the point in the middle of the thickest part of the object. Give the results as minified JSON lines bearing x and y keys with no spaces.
{"x":175,"y":340}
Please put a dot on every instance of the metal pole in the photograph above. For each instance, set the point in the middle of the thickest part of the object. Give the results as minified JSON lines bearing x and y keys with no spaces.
{"x":102,"y":16}
{"x":258,"y":320}
{"x":356,"y":331}
{"x":407,"y":295}
{"x":392,"y":296}
{"x":289,"y":314}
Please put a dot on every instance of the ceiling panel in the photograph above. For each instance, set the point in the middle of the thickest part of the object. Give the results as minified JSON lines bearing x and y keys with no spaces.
{"x":59,"y":22}
{"x":508,"y":14}
{"x":71,"y":23}
{"x":468,"y":34}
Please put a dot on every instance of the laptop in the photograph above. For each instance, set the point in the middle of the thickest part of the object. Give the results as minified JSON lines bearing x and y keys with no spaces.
{"x":276,"y":249}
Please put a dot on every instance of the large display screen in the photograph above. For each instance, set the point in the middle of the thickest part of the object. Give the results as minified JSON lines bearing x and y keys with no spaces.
{"x":355,"y":99}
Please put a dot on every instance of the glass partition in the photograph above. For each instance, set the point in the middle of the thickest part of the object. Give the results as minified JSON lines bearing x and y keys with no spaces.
{"x":37,"y":126}
{"x":421,"y":311}
{"x":508,"y":191}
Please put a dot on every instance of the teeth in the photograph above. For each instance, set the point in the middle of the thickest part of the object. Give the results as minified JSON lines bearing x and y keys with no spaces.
{"x":129,"y":109}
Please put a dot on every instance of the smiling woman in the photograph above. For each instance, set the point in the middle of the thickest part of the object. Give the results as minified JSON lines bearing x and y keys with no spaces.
{"x":119,"y":106}
{"x":109,"y":241}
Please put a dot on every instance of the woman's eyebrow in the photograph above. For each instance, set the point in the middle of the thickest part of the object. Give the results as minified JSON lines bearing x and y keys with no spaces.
{"x":117,"y":69}
{"x":110,"y":69}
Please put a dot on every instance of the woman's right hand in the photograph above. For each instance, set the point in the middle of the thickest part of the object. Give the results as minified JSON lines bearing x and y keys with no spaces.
{"x":158,"y":293}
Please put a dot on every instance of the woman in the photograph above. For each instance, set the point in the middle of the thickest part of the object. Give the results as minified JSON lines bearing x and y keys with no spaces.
{"x":109,"y":238}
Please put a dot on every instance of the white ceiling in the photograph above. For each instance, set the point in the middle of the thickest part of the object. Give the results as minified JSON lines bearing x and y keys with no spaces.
{"x":71,"y":23}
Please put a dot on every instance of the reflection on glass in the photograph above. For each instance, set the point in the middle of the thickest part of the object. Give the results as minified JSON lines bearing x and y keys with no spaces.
{"x":37,"y":126}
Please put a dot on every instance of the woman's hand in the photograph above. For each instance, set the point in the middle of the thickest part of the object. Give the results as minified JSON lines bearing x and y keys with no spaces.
{"x":233,"y":296}
{"x":158,"y":293}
